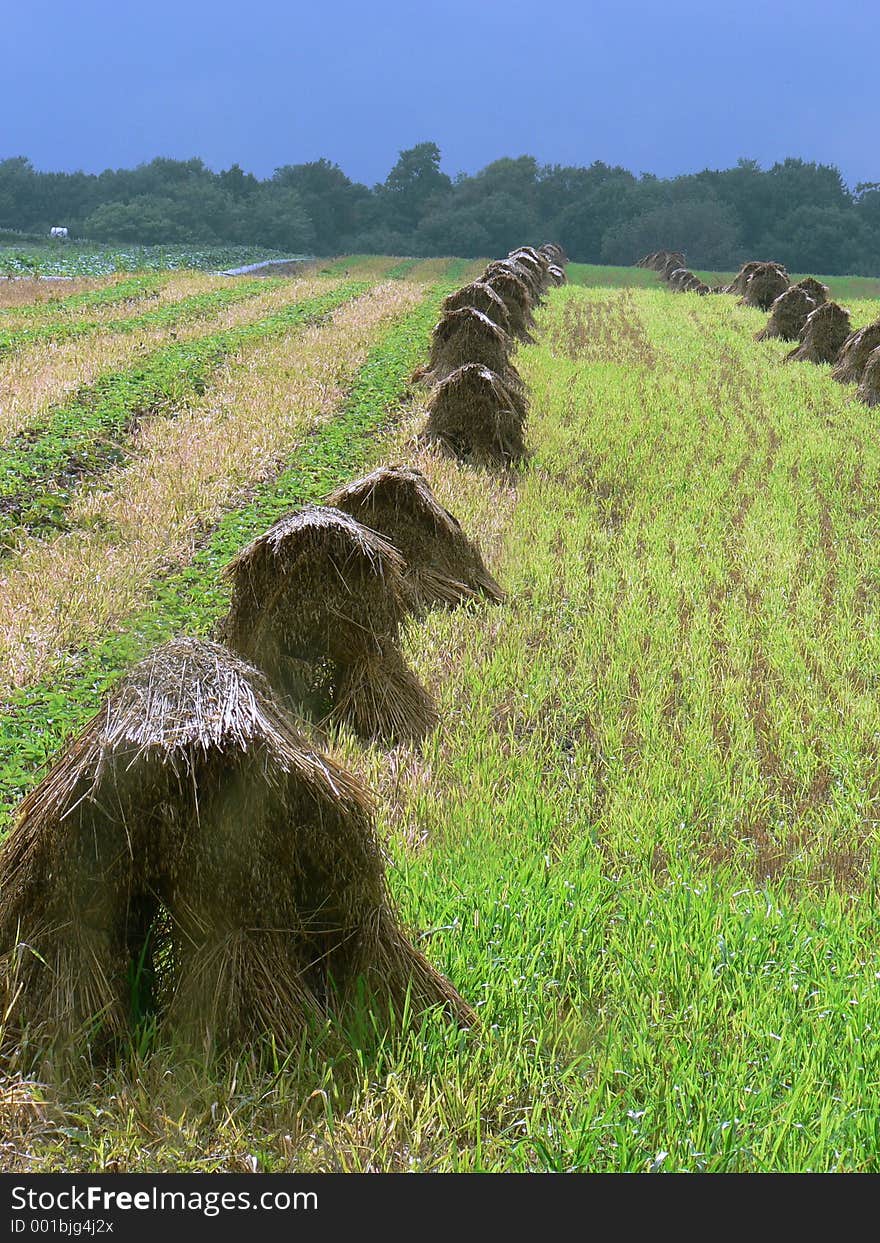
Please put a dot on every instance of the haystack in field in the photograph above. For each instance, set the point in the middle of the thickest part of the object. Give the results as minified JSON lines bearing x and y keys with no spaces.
{"x":671,"y":265}
{"x":481,"y":297}
{"x":442,"y":565}
{"x":764,"y":285}
{"x":817,"y":291}
{"x":869,"y":385}
{"x":659,"y":259}
{"x":520,"y":270}
{"x":515,"y":295}
{"x":317,"y":604}
{"x":473,"y":417}
{"x":854,"y":353}
{"x":191,"y":828}
{"x":530,"y":258}
{"x":469,"y":336}
{"x":554,"y":252}
{"x":788,"y":314}
{"x":822,"y":335}
{"x":740,"y":281}
{"x":556,"y":275}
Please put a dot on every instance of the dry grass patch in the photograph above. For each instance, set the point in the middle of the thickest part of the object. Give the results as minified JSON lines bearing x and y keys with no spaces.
{"x":15,"y":293}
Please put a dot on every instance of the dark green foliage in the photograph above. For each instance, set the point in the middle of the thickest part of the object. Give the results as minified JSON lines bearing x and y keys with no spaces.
{"x":801,"y":212}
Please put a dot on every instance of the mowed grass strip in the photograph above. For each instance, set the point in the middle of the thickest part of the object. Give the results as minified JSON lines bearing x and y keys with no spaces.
{"x":40,"y":469}
{"x":33,"y":380}
{"x":284,"y":426}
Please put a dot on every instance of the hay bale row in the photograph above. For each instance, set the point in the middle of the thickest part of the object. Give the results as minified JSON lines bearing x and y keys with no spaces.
{"x":788,"y":315}
{"x":477,"y":407}
{"x":681,"y":280}
{"x":658,"y":260}
{"x":190,"y":854}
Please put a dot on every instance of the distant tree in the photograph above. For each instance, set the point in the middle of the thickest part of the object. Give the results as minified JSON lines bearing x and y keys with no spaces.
{"x":820,"y":240}
{"x":276,"y":217}
{"x":453,"y":230}
{"x":329,"y":198}
{"x":146,"y":220}
{"x":237,"y":183}
{"x":704,"y":229}
{"x":18,"y":193}
{"x":414,"y":187}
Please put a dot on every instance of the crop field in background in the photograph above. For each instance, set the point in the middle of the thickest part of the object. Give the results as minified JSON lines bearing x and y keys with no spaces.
{"x":642,"y":839}
{"x":843,"y":288}
{"x":89,"y":259}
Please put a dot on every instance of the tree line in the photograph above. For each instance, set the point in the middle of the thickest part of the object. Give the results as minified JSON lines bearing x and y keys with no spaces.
{"x":802,"y":214}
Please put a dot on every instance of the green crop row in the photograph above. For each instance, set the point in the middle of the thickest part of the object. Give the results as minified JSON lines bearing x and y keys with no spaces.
{"x":197,"y":306}
{"x":191,"y":601}
{"x":41,"y":466}
{"x":133,"y":288}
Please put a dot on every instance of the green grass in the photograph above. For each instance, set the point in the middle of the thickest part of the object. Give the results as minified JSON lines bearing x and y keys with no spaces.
{"x":843,"y":288}
{"x":643,"y":840}
{"x":41,"y":466}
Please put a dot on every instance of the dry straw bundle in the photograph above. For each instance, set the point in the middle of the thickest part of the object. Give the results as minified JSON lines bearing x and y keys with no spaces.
{"x":659,"y":259}
{"x":764,"y":285}
{"x":817,"y":291}
{"x":854,"y":353}
{"x":556,"y":275}
{"x":822,"y":335}
{"x":554,"y":252}
{"x":869,"y":386}
{"x":480,"y":297}
{"x":191,"y":830}
{"x":788,"y":315}
{"x":474,"y":417}
{"x":684,"y":281}
{"x":469,"y":336}
{"x":442,"y":565}
{"x":515,"y":295}
{"x":525,"y":273}
{"x":534,"y":262}
{"x":317,"y":604}
{"x":670,"y":266}
{"x":740,"y":281}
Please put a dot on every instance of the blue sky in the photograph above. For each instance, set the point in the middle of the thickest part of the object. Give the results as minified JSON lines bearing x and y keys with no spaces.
{"x":664,"y":88}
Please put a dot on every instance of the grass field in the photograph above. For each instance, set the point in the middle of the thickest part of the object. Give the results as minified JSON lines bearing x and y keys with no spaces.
{"x":642,"y":841}
{"x":843,"y":288}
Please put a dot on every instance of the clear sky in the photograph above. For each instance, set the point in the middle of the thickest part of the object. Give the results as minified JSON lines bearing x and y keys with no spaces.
{"x":667,"y":87}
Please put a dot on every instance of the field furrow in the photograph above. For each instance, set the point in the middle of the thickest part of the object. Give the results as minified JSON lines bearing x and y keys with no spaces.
{"x":34,"y":379}
{"x":260,"y":444}
{"x":41,"y":469}
{"x":59,"y":305}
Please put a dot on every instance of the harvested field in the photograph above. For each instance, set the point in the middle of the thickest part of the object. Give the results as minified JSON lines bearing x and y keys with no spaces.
{"x":640,"y":840}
